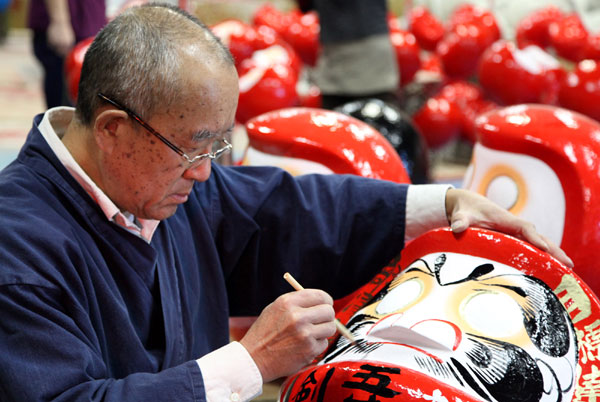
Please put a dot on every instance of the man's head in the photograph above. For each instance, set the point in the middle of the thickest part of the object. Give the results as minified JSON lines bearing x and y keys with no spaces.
{"x":166,"y":67}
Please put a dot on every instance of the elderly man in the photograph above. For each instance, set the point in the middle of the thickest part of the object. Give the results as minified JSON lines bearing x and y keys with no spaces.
{"x":122,"y":256}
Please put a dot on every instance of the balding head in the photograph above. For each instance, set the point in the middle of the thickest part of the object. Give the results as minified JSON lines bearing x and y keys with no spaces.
{"x":137,"y":59}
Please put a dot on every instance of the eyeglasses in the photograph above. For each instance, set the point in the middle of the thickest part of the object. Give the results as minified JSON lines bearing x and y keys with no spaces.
{"x":217,"y":150}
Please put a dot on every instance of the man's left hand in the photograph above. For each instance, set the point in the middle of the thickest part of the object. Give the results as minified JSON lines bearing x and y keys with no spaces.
{"x":465,"y":208}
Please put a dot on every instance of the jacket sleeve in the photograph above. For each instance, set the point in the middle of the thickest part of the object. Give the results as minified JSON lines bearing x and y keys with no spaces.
{"x":47,"y":356}
{"x":333,"y":232}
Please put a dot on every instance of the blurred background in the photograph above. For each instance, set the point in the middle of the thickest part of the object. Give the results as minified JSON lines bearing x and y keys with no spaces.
{"x":440,"y":49}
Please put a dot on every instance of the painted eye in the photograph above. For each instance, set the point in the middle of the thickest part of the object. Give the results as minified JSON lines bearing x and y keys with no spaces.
{"x":493,"y":314}
{"x":505,"y":186}
{"x":400,"y":296}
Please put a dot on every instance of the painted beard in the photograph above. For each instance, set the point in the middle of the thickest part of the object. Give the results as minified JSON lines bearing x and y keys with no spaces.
{"x":487,"y":368}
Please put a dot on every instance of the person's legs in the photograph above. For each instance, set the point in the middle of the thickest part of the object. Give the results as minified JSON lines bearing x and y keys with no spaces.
{"x":3,"y":25}
{"x":54,"y":86}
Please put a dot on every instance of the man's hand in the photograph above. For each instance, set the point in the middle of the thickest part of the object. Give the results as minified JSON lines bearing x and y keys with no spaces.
{"x":290,"y":332}
{"x":61,"y":37}
{"x":465,"y":208}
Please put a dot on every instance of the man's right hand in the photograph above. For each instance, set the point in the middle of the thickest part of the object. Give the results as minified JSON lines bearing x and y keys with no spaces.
{"x":290,"y":332}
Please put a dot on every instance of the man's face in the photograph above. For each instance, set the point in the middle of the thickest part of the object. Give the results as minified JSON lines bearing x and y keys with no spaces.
{"x":143,"y":175}
{"x":474,"y":324}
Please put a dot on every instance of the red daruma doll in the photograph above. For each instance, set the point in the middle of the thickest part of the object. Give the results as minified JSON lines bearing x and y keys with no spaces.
{"x":479,"y":316}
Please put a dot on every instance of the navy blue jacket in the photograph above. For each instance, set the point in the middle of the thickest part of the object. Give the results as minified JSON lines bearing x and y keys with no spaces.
{"x":89,"y":311}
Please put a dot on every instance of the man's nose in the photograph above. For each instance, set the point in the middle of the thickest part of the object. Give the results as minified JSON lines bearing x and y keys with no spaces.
{"x":200,"y":172}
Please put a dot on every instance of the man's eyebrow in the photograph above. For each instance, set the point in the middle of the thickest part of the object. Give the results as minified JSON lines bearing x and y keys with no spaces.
{"x":203,"y":135}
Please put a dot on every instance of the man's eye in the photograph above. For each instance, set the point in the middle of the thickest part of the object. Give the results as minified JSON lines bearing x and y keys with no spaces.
{"x":199,"y":150}
{"x":216,"y":145}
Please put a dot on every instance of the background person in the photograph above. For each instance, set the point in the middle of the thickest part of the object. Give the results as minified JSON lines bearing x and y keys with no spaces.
{"x":57,"y":25}
{"x":357,"y":59}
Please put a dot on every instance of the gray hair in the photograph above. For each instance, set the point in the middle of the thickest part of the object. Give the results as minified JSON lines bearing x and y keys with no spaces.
{"x":135,"y":59}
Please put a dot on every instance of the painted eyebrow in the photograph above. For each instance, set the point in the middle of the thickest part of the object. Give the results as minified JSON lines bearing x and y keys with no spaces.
{"x":428,"y":272}
{"x":413,"y":269}
{"x":518,"y":289}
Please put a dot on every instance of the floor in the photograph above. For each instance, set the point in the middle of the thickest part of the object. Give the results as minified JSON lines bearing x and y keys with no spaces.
{"x":21,"y":96}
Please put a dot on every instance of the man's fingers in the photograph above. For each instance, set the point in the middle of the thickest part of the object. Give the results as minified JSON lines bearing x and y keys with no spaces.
{"x":558,"y":253}
{"x":477,"y":211}
{"x":459,"y":223}
{"x":324,"y":330}
{"x":309,"y":297}
{"x":526,"y":231}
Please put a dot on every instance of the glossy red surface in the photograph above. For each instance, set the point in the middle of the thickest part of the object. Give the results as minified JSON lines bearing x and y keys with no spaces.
{"x":311,"y":97}
{"x":459,"y":52}
{"x":471,"y":102}
{"x":407,"y":54}
{"x":471,"y":31}
{"x":580,"y":89}
{"x":536,"y":72}
{"x":268,"y":67}
{"x":431,"y":62}
{"x":270,"y":16}
{"x":466,"y":14}
{"x":568,"y":37}
{"x":303,"y":35}
{"x":300,"y":30}
{"x":426,"y":27}
{"x":439,"y":120}
{"x":569,"y":143}
{"x":592,"y":48}
{"x":533,"y":29}
{"x":461,"y":49}
{"x":244,"y":40}
{"x":72,"y":67}
{"x":340,"y":142}
{"x":471,"y":111}
{"x":265,"y":88}
{"x":365,"y":381}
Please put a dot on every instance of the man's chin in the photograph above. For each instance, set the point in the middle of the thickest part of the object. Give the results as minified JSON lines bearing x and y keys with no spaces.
{"x":159,"y":214}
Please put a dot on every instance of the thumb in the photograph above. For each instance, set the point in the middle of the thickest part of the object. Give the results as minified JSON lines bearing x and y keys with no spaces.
{"x":459,"y":223}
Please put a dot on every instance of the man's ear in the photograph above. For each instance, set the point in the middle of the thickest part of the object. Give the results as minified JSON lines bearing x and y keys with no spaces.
{"x":109,"y":126}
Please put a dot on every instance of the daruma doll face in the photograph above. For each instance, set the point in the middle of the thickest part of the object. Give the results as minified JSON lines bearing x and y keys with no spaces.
{"x":475,"y":324}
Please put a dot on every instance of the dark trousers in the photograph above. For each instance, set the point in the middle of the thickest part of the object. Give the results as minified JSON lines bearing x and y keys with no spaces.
{"x":52,"y":63}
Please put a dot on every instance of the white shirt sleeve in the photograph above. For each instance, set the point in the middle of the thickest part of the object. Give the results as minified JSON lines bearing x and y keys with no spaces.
{"x":230,"y":374}
{"x":425,"y":209}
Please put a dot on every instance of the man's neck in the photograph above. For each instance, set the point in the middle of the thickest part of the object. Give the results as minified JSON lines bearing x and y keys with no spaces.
{"x":77,"y":140}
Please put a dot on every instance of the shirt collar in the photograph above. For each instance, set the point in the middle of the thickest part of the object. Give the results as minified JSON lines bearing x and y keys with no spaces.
{"x":52,"y":127}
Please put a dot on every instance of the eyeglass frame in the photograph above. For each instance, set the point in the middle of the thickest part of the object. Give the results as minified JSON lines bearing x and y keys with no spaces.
{"x":210,"y":155}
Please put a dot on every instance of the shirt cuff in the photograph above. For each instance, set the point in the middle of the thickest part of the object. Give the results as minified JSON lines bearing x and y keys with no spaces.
{"x":230,"y":374}
{"x":425,"y":209}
